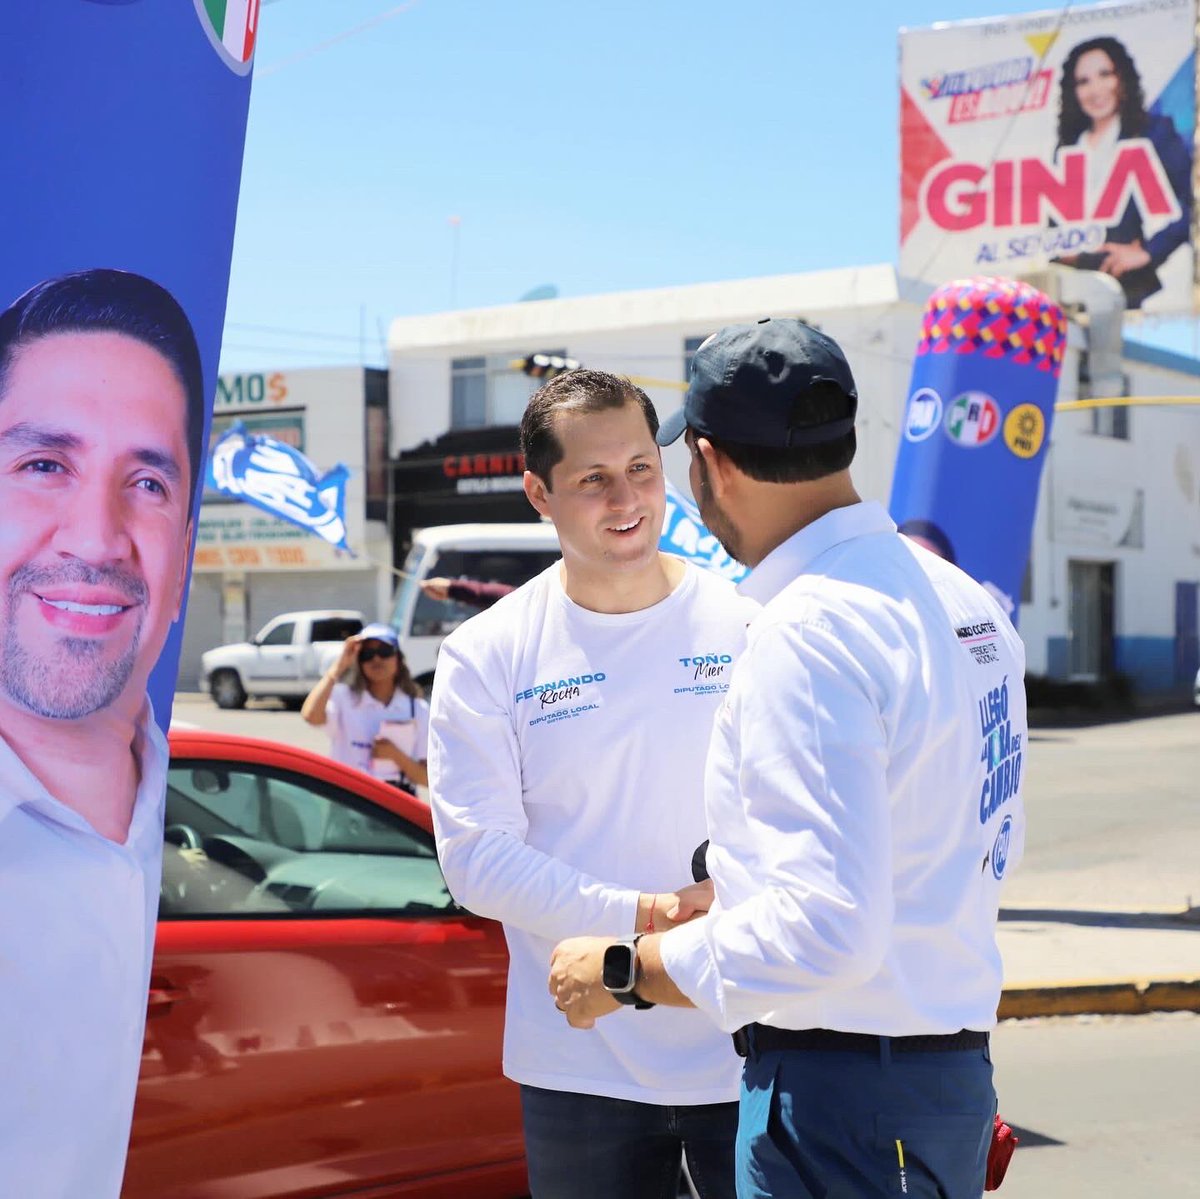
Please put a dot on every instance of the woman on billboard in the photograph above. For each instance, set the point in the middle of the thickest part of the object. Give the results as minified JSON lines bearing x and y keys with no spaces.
{"x":1100,"y":104}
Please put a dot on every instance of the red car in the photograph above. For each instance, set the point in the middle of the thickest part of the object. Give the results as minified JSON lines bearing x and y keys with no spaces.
{"x":323,"y":1019}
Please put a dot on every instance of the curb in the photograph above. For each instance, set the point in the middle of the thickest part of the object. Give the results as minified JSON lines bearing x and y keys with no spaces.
{"x":1128,"y":998}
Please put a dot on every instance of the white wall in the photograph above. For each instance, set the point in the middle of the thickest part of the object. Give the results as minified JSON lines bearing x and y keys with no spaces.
{"x":876,"y":319}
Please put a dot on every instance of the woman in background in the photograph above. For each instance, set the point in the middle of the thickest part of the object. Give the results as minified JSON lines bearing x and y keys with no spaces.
{"x":376,"y":717}
{"x":1101,"y":103}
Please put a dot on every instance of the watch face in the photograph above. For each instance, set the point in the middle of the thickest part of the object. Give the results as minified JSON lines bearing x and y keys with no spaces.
{"x":617,"y":974}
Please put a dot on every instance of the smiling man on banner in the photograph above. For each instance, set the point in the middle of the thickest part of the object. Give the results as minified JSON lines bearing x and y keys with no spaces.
{"x":101,"y":433}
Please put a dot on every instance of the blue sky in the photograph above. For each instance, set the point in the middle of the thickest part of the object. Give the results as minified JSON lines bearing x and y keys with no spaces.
{"x":592,"y":146}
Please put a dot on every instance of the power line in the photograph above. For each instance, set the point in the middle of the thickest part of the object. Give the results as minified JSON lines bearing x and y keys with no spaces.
{"x":274,"y":67}
{"x":281,"y":332}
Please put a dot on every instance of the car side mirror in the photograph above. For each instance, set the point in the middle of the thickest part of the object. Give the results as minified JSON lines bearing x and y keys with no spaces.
{"x":208,"y":781}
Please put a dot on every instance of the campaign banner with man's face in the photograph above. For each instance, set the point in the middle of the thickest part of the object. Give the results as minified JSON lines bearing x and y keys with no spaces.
{"x":121,"y":146}
{"x":1059,"y":137}
{"x":122,"y":141}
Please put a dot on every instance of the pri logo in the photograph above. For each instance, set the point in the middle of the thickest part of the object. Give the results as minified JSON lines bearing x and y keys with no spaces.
{"x":924,"y":414}
{"x":1000,"y":848}
{"x":232,"y":26}
{"x":972,"y":420}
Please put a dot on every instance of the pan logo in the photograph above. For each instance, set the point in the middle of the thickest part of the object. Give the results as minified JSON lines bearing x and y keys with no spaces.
{"x":1000,"y":848}
{"x":972,"y":420}
{"x":924,"y":414}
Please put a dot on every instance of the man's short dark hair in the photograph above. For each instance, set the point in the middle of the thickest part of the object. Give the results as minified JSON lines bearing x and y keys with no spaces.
{"x":108,"y":301}
{"x":799,"y":464}
{"x":584,"y":391}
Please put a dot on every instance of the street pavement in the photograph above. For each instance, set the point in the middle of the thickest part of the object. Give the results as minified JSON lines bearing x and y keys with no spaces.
{"x":1107,"y":1107}
{"x":1103,"y":914}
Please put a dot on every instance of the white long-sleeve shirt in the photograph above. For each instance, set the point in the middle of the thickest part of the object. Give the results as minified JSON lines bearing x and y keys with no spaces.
{"x":863,"y":791}
{"x":566,"y":776}
{"x":77,"y":921}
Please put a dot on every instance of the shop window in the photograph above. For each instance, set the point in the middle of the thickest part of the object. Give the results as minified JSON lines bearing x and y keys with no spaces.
{"x":489,"y":390}
{"x":690,"y":346}
{"x":1111,"y":420}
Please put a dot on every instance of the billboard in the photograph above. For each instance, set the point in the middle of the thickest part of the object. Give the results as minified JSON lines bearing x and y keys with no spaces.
{"x":1058,"y":137}
{"x":124,"y":123}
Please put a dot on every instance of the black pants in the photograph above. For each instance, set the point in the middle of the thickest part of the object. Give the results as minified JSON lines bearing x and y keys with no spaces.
{"x":592,"y":1147}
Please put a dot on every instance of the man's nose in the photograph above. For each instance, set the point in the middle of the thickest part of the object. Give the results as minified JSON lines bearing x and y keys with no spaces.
{"x":93,"y":524}
{"x":621,"y":494}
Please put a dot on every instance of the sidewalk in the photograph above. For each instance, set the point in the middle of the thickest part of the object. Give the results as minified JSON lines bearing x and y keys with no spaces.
{"x":1070,"y":962}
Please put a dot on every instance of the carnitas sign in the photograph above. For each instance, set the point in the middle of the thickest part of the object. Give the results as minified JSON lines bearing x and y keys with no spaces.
{"x":1062,"y":137}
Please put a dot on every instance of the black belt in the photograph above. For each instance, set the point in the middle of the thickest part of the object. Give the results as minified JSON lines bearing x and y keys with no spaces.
{"x":762,"y":1038}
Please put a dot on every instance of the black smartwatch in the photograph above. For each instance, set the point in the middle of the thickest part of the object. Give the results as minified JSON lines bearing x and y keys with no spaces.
{"x":619,"y":974}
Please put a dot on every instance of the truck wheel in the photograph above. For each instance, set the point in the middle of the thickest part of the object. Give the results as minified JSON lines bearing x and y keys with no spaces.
{"x":227,"y":689}
{"x":293,"y":703}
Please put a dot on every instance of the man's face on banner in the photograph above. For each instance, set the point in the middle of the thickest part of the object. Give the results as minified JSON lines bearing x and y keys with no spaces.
{"x":94,"y":520}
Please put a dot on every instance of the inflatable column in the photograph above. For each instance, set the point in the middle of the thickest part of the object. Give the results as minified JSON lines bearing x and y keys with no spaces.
{"x":977,"y":427}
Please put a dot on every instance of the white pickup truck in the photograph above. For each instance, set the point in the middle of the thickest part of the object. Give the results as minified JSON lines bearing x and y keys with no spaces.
{"x":285,"y":659}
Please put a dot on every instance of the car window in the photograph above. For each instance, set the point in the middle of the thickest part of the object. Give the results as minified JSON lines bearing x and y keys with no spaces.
{"x":281,"y":634}
{"x":335,"y":628}
{"x":432,"y":618}
{"x":245,"y":840}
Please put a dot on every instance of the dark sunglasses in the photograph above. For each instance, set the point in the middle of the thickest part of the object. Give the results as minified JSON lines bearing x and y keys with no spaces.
{"x":376,"y":651}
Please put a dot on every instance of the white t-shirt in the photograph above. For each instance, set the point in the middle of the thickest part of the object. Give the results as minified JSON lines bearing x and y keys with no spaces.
{"x":566,"y":774}
{"x":77,"y":923}
{"x":864,"y":794}
{"x":355,"y":721}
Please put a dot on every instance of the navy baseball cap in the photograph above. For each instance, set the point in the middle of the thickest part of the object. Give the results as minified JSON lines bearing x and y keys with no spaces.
{"x":747,"y":379}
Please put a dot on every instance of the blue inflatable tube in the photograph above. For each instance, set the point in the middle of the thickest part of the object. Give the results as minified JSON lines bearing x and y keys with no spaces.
{"x":977,"y":427}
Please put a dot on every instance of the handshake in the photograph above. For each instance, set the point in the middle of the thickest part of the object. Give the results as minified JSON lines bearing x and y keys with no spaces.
{"x":577,"y":964}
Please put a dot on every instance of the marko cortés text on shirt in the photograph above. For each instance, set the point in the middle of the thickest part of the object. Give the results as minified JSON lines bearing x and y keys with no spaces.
{"x":101,"y":422}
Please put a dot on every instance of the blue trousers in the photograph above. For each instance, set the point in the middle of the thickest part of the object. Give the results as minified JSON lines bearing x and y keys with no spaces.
{"x":591,"y":1147}
{"x":861,"y":1125}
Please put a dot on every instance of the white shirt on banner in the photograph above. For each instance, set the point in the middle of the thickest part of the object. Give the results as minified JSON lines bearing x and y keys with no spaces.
{"x":863,"y":791}
{"x":77,"y":922}
{"x":566,"y":769}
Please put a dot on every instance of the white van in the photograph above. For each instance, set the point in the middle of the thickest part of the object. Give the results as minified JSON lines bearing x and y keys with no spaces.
{"x":491,"y":553}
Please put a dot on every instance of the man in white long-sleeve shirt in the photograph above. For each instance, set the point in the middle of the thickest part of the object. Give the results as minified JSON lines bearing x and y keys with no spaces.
{"x":568,"y":734}
{"x":863,"y":791}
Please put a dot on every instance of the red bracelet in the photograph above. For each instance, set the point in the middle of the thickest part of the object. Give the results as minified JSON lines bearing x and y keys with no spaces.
{"x":650,"y":918}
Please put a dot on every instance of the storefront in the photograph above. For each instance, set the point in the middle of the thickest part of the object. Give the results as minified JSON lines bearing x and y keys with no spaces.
{"x":250,"y":566}
{"x":464,"y":476}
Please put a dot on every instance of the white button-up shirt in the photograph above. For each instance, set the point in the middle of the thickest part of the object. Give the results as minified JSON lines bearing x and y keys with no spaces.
{"x":77,"y":922}
{"x":863,"y":793}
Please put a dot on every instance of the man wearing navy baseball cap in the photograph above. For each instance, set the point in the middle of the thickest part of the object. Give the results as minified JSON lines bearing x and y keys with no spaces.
{"x":865,"y":763}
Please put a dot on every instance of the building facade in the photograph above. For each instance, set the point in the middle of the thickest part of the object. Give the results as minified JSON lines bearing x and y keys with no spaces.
{"x":249,"y":566}
{"x":1115,"y":561}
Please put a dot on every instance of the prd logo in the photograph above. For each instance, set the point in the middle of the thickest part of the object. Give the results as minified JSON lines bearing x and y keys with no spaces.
{"x":973,"y":419}
{"x":924,"y":414}
{"x":1025,"y":430}
{"x":1000,"y":848}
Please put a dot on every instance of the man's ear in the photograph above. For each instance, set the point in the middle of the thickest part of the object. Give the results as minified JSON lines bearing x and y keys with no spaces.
{"x":535,"y":493}
{"x":181,"y":591}
{"x":719,"y":466}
